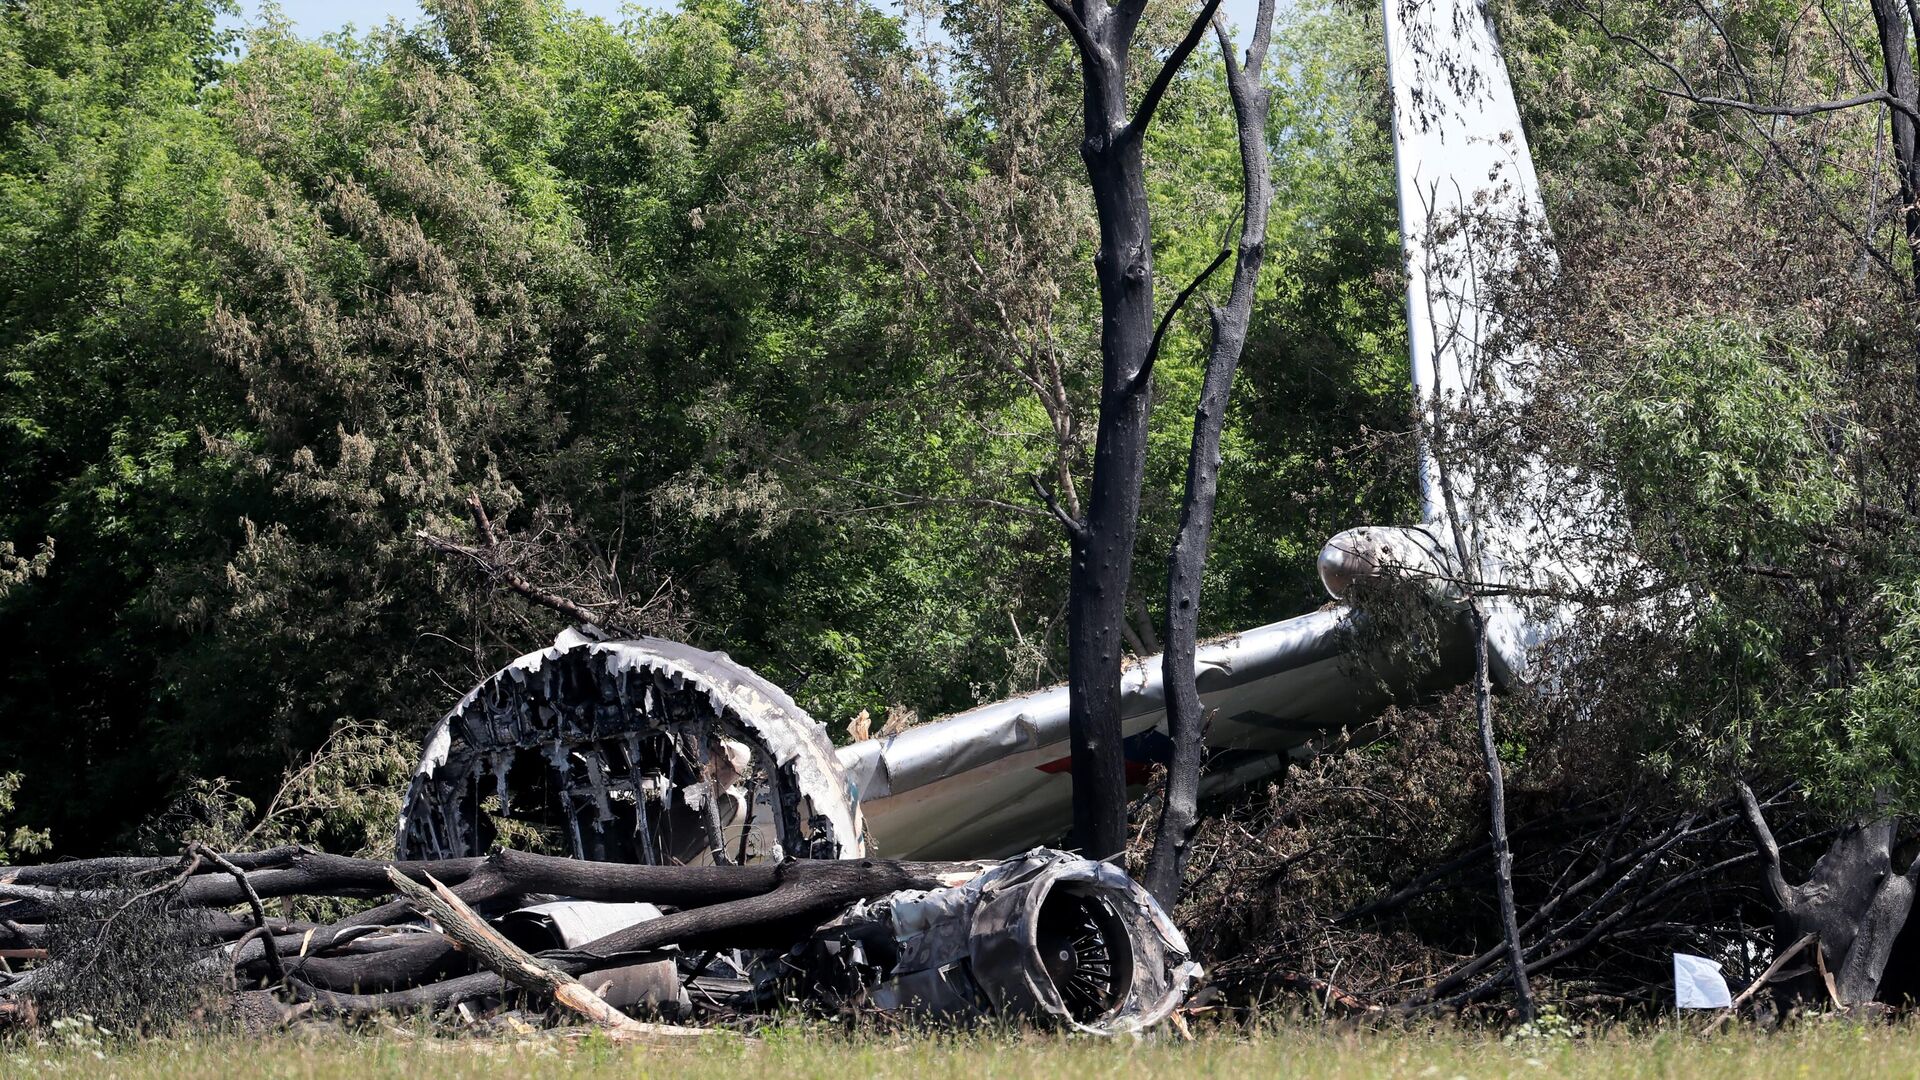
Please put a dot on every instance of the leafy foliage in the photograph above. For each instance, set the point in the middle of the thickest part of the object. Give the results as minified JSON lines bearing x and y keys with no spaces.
{"x":22,"y":840}
{"x":1727,"y":442}
{"x":745,"y":324}
{"x":345,"y":797}
{"x":1862,"y":737}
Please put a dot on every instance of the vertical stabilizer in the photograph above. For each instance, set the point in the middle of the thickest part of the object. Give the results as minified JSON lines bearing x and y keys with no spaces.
{"x":1463,"y":169}
{"x":1471,"y":217}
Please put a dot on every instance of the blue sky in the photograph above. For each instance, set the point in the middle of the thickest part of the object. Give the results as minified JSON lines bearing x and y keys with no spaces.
{"x":316,"y":17}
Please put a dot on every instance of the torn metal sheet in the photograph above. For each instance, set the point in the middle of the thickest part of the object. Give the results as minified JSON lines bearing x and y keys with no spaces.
{"x":569,"y":924}
{"x":654,"y":987}
{"x":1048,"y":937}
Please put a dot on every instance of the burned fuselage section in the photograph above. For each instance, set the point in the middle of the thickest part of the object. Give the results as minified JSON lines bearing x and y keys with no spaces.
{"x":639,"y":751}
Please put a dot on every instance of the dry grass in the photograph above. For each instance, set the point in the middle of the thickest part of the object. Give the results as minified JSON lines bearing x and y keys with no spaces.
{"x":803,"y":1053}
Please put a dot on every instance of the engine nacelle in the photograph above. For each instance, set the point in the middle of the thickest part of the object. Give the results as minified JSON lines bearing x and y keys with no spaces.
{"x":1048,"y":937}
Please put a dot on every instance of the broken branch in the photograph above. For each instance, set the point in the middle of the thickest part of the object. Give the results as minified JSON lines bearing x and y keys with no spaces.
{"x":1753,"y":988}
{"x":488,"y":559}
{"x":486,"y":945}
{"x":201,"y":851}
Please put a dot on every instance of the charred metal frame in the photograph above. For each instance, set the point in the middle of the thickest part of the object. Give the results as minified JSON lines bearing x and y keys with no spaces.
{"x":632,"y":751}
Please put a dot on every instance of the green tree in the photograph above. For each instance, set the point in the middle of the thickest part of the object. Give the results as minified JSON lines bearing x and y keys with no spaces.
{"x":109,"y":186}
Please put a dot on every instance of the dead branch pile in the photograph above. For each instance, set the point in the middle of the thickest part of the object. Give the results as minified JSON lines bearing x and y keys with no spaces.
{"x":432,"y":947}
{"x":1362,"y":885}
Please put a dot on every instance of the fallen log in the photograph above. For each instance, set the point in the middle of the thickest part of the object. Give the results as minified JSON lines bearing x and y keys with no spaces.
{"x":431,"y":997}
{"x":487,"y":946}
{"x":423,"y":958}
{"x":123,"y":867}
{"x":15,"y":935}
{"x":291,"y":872}
{"x":499,"y":876}
{"x":806,"y":893}
{"x":314,"y":873}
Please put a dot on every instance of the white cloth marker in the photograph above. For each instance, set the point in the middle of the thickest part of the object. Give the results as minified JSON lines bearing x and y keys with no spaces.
{"x":1697,"y":984}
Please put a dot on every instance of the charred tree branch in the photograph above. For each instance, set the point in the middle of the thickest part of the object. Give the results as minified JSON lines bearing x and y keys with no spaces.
{"x":1163,"y":79}
{"x":1180,"y":301}
{"x":1811,"y":108}
{"x":1187,"y":559}
{"x":1764,"y":843}
{"x":259,"y":910}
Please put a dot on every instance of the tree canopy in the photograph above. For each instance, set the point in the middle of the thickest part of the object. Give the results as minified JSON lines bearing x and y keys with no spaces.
{"x":749,"y":321}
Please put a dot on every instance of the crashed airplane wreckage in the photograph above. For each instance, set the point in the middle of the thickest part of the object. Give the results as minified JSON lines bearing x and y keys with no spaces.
{"x":728,"y":858}
{"x":651,"y":751}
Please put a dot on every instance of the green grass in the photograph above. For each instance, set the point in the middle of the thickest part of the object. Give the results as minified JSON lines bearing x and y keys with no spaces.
{"x":1825,"y":1050}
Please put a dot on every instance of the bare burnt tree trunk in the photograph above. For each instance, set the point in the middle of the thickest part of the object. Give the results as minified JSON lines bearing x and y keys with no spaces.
{"x":1497,"y":815}
{"x":1469,"y":563}
{"x":1187,"y":560}
{"x":1891,"y":19}
{"x":1853,"y":903}
{"x":1102,"y":540}
{"x":1894,"y":22}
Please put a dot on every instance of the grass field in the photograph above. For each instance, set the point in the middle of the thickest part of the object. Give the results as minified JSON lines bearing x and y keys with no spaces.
{"x":805,"y":1054}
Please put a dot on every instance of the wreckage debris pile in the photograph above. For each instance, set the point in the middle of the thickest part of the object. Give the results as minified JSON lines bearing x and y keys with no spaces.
{"x":1046,"y":938}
